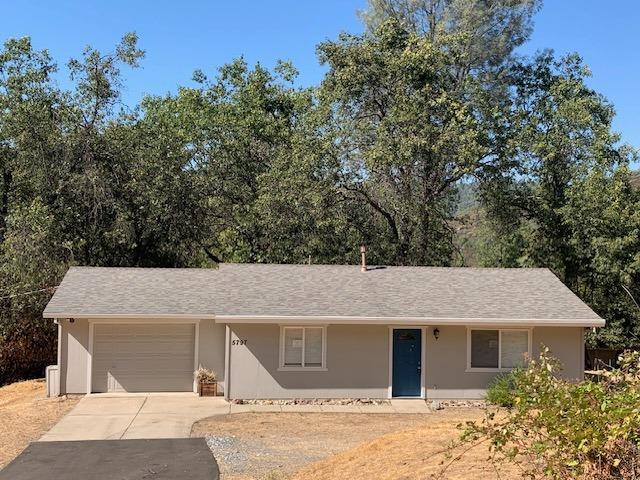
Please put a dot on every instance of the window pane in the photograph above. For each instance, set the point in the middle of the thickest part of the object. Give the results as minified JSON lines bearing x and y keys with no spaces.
{"x":515,"y":345}
{"x":484,"y":348}
{"x":293,"y":347}
{"x":313,"y":347}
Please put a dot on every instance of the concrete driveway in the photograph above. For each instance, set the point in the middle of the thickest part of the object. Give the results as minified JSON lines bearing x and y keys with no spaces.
{"x":148,"y":416}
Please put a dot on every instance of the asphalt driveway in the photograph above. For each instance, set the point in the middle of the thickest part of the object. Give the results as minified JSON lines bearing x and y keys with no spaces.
{"x":98,"y":417}
{"x":115,"y":459}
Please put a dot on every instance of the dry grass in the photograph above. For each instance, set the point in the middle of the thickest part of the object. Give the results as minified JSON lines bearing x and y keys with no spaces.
{"x":418,"y":453}
{"x":325,"y":446}
{"x":25,"y":414}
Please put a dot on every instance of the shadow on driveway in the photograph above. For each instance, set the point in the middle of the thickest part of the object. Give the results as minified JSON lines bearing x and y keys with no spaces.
{"x":115,"y":459}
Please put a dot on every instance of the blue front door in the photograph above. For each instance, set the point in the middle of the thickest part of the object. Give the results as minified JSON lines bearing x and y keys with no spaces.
{"x":407,"y":355}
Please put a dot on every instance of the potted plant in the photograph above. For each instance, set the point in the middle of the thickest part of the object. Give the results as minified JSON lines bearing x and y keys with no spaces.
{"x":207,"y":382}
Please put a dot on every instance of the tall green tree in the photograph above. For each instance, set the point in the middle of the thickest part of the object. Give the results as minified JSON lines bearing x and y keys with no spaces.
{"x":31,"y":264}
{"x":561,"y":129}
{"x":603,"y":213}
{"x":489,"y":30}
{"x":230,"y":128}
{"x":563,"y":193}
{"x":407,"y":130}
{"x":59,"y":186}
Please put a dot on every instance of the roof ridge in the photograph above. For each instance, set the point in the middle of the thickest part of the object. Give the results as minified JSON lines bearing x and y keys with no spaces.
{"x":315,"y":265}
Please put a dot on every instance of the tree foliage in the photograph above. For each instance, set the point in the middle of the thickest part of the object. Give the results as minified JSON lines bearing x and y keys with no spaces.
{"x":407,"y":129}
{"x":541,"y":190}
{"x":245,"y":166}
{"x":489,"y":30}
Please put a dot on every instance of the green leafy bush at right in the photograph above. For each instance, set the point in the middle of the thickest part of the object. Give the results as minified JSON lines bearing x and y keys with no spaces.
{"x":559,"y":429}
{"x":502,"y":390}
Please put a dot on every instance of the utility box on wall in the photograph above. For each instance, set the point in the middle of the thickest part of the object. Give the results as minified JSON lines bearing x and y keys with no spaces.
{"x":53,"y":380}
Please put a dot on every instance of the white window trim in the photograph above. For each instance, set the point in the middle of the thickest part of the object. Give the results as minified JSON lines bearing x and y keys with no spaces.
{"x":500,"y":330}
{"x":288,"y":368}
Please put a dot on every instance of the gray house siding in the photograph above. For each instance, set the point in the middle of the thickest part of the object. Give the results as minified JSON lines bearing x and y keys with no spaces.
{"x":357,"y":361}
{"x":74,"y":351}
{"x":357,"y":364}
{"x":74,"y":356}
{"x":446,"y":360}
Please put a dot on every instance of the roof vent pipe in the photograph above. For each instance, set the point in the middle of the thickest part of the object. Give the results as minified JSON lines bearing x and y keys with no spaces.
{"x":363,"y":254}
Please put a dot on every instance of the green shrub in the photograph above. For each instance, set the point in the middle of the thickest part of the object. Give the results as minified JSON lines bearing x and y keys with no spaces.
{"x":502,"y":390}
{"x":566,"y":430}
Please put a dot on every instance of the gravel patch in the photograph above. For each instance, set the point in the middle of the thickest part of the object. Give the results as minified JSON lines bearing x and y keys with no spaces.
{"x":253,"y":458}
{"x":315,"y":401}
{"x":463,"y":403}
{"x":275,"y":445}
{"x":230,"y":452}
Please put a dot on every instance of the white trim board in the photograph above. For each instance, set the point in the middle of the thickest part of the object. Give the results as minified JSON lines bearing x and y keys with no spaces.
{"x":409,"y":321}
{"x":338,"y":319}
{"x":227,"y":361}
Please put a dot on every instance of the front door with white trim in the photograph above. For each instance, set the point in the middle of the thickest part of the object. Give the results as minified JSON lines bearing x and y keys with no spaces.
{"x":407,"y":362}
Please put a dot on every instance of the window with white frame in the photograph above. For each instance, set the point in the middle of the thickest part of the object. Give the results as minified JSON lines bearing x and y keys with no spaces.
{"x":497,"y":349}
{"x":303,"y":348}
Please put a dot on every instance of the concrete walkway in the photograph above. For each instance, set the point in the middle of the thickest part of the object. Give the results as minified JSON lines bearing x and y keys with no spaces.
{"x":400,"y":406}
{"x":132,"y":416}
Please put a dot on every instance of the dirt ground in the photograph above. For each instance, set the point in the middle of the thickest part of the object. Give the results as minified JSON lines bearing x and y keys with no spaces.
{"x":25,"y":414}
{"x":325,"y":446}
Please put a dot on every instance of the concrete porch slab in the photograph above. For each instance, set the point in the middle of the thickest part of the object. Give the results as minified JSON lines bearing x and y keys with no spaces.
{"x":377,"y":409}
{"x":410,"y":405}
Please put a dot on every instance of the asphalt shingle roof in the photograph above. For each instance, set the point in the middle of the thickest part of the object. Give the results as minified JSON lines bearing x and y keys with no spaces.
{"x":258,"y":290}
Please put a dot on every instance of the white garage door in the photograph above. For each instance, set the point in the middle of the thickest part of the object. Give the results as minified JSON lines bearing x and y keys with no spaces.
{"x":143,"y":358}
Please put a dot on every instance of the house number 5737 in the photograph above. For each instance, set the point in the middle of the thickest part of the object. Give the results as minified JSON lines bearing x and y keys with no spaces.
{"x":238,"y":342}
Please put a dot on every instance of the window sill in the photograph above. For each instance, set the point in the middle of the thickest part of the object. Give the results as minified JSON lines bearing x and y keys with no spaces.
{"x":489,"y":370}
{"x":302,"y":369}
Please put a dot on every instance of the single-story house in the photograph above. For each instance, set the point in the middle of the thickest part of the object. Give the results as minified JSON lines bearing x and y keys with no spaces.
{"x":311,"y":331}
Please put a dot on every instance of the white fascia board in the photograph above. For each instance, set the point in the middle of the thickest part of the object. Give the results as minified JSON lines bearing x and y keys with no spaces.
{"x":334,"y":319}
{"x":141,"y":316}
{"x":597,"y":322}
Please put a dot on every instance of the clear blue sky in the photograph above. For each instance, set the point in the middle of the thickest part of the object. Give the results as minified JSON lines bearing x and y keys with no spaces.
{"x":182,"y":36}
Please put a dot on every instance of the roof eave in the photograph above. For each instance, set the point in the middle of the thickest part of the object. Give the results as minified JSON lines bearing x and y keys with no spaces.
{"x":555,"y":322}
{"x":150,"y":316}
{"x":337,"y":319}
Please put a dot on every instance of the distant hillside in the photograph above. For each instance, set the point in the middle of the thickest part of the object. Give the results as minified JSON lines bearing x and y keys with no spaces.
{"x":466,"y":223}
{"x":467,"y":198}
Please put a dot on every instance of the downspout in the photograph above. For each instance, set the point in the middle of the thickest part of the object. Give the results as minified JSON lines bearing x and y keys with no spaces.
{"x":59,"y":359}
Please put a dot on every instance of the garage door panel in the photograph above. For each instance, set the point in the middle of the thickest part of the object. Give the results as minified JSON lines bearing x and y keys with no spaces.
{"x":143,"y":357}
